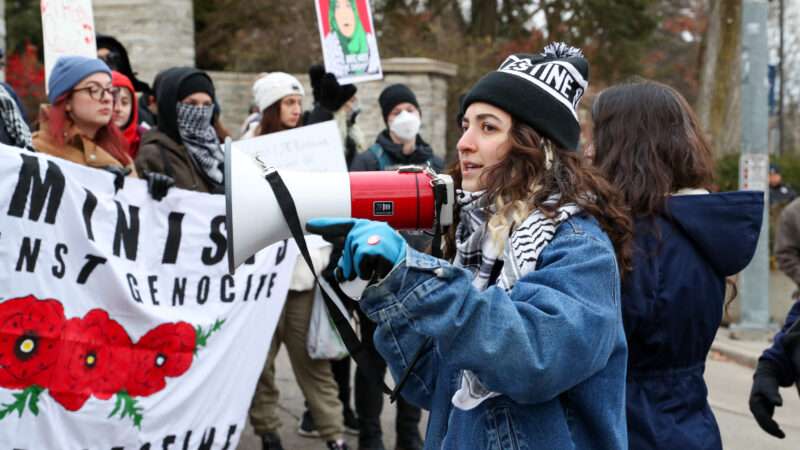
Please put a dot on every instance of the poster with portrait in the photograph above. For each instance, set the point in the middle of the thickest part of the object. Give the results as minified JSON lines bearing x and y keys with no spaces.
{"x":349,"y":46}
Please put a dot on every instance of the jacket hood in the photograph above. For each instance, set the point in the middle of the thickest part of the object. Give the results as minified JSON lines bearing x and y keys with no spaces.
{"x":166,"y":88}
{"x":724,"y":226}
{"x":130,"y":129}
{"x":422,"y":151}
{"x":123,"y":65}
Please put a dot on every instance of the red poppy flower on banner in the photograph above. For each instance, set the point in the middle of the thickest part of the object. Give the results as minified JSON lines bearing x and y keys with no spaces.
{"x":165,"y":351}
{"x":95,"y":360}
{"x":30,"y":341}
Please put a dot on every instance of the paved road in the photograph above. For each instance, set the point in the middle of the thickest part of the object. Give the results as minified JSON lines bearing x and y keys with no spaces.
{"x":728,"y":383}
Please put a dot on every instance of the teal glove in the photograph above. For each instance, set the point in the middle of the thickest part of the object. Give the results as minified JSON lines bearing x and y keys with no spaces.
{"x":369,"y":250}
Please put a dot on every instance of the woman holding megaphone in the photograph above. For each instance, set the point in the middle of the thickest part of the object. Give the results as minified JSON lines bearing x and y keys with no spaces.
{"x":528,"y":344}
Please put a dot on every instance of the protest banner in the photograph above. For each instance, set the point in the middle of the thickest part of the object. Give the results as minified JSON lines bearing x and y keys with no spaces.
{"x":349,"y":47}
{"x":312,"y":148}
{"x":67,"y":29}
{"x":120,"y":327}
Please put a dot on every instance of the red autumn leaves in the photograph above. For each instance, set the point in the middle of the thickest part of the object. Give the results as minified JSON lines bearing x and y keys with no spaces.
{"x":75,"y":359}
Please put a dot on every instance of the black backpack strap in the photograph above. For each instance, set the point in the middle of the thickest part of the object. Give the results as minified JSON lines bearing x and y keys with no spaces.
{"x":354,"y":346}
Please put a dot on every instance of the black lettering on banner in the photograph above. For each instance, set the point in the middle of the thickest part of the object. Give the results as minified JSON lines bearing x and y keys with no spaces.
{"x":186,"y":440}
{"x":151,"y":281}
{"x":117,"y":448}
{"x":174,"y":231}
{"x":133,"y":284}
{"x":219,"y":240}
{"x":231,"y":432}
{"x":207,"y":442}
{"x":281,"y":255}
{"x":271,"y":284}
{"x":260,"y":285}
{"x":27,"y":255}
{"x":202,"y":290}
{"x":92,"y":261}
{"x":247,"y":289}
{"x":127,"y":234}
{"x":169,"y":440}
{"x":146,"y":446}
{"x":179,"y":291}
{"x":89,"y":205}
{"x":61,"y":268}
{"x":251,"y":260}
{"x":30,"y":183}
{"x":227,"y":281}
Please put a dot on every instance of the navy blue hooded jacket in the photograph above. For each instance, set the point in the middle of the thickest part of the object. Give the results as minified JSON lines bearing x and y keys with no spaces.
{"x":672,"y":304}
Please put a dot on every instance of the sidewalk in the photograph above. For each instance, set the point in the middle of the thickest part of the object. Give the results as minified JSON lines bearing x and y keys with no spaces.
{"x":742,"y":352}
{"x":728,"y":374}
{"x":291,"y":408}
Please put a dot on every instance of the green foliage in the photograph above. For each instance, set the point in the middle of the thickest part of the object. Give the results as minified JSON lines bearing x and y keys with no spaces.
{"x":726,"y":175}
{"x":23,"y":24}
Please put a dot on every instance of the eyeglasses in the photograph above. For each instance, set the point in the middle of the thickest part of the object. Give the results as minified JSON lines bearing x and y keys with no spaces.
{"x":96,"y":92}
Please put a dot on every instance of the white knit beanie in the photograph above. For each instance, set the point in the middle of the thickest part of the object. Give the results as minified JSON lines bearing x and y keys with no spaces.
{"x":273,"y":87}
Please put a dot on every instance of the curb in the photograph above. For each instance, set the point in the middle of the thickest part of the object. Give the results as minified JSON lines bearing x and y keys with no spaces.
{"x":737,"y":355}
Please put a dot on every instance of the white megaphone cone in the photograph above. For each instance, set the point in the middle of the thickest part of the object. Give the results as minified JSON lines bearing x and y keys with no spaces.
{"x":408,"y":199}
{"x":256,"y":220}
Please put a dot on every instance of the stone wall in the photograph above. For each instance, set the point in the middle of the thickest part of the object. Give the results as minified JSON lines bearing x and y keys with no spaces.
{"x":426,"y":77}
{"x":157,"y":33}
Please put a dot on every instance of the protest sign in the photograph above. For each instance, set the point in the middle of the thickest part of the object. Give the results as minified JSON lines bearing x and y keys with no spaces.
{"x":312,"y":148}
{"x":68,"y":29}
{"x":349,"y":47}
{"x":120,"y":327}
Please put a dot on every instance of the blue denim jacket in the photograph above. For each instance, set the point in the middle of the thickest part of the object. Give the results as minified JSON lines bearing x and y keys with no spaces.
{"x":553,"y":346}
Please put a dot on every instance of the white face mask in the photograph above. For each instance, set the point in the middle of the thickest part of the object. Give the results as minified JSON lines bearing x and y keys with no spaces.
{"x":406,"y":126}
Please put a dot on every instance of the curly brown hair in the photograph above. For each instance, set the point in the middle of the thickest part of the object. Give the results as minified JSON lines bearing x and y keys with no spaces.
{"x":649,"y":144}
{"x":521,"y":183}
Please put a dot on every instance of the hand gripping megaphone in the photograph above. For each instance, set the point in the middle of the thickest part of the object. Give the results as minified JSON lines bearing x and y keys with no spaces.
{"x":405,"y":198}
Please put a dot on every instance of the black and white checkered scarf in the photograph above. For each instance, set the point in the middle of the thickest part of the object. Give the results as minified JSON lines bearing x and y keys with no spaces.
{"x":476,"y":252}
{"x":13,"y":122}
{"x":199,"y":137}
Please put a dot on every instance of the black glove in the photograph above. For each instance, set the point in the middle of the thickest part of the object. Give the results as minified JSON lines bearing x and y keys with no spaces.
{"x":158,"y":184}
{"x":119,"y":173}
{"x":764,"y":397}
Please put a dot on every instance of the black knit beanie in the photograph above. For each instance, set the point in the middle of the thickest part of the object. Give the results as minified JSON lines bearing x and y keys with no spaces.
{"x":541,"y":90}
{"x":333,"y":95}
{"x":315,"y":74}
{"x":394,"y":95}
{"x":197,"y":82}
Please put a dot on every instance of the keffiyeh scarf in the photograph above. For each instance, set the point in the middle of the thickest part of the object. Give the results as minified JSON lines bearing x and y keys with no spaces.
{"x":199,"y":137}
{"x":13,"y":121}
{"x":476,"y":252}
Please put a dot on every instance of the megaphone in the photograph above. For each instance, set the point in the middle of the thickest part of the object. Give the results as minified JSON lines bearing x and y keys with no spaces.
{"x":404,"y":198}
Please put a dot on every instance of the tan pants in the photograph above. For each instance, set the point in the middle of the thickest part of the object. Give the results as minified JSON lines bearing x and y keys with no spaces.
{"x":314,"y":376}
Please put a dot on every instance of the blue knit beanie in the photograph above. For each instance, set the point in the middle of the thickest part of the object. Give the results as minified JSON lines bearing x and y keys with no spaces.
{"x":69,"y":71}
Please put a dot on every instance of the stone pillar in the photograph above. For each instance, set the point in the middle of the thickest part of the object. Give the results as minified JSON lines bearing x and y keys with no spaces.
{"x":158,"y":34}
{"x":428,"y":79}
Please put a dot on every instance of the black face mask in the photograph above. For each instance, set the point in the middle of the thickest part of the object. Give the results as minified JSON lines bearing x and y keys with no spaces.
{"x":113,"y":59}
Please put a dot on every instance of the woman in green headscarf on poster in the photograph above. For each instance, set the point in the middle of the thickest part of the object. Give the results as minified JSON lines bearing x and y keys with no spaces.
{"x":349,"y":49}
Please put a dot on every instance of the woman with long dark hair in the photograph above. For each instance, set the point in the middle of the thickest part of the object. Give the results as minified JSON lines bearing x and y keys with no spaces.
{"x":279,"y":97}
{"x":648,"y":144}
{"x":528,"y":348}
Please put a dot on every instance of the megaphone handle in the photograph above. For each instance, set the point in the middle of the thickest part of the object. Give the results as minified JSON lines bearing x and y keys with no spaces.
{"x":349,"y":338}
